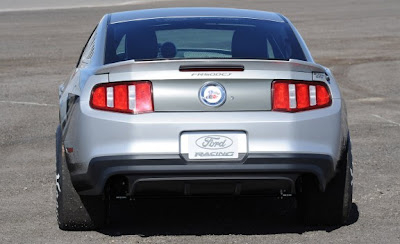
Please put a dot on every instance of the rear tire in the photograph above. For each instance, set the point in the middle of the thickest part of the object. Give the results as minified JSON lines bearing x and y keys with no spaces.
{"x":333,"y":206}
{"x":74,"y":212}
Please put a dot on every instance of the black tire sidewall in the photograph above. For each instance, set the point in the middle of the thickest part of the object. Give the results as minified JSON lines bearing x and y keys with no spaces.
{"x":333,"y":206}
{"x":348,"y":189}
{"x":59,"y":176}
{"x":74,"y":212}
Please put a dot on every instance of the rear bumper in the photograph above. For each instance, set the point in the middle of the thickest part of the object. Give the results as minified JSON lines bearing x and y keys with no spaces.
{"x":171,"y":173}
{"x":94,"y":134}
{"x":146,"y":147}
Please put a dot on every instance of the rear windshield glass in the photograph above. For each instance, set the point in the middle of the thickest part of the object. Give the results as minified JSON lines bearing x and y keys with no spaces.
{"x":201,"y":38}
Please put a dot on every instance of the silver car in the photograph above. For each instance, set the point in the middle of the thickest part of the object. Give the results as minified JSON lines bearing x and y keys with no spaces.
{"x":200,"y":101}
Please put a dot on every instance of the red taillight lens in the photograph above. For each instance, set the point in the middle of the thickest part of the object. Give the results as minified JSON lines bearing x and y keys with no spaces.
{"x":323,"y":96}
{"x":98,"y":98}
{"x":121,"y":99}
{"x":125,"y":97}
{"x":281,"y":96}
{"x":295,"y":96}
{"x":144,"y":97}
{"x":302,"y":96}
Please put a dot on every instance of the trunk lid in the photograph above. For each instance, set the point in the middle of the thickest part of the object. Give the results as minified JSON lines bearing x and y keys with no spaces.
{"x":177,"y":84}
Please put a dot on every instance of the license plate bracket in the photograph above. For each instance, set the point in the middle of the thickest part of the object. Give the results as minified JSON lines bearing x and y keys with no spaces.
{"x":214,"y":145}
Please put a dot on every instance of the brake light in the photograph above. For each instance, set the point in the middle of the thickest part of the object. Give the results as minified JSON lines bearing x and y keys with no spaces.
{"x":125,"y":97}
{"x":295,"y":96}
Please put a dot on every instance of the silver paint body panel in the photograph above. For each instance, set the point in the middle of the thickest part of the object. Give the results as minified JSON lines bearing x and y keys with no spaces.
{"x":246,"y":95}
{"x":93,"y":133}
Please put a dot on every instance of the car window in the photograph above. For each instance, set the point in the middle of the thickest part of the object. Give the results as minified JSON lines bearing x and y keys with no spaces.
{"x":88,"y":51}
{"x":197,"y":43}
{"x":121,"y":46}
{"x":201,"y":38}
{"x":270,"y":50}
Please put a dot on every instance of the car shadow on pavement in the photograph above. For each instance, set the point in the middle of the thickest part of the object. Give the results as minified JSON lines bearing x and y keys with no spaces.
{"x":209,"y":216}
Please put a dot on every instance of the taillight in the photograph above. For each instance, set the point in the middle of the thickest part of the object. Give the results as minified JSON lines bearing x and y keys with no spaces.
{"x":125,"y":97}
{"x":294,"y":96}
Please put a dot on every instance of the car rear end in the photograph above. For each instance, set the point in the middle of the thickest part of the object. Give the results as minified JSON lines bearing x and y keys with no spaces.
{"x":205,"y":105}
{"x":174,"y":140}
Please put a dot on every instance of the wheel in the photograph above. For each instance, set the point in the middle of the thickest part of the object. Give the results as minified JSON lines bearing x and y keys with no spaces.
{"x":74,"y":212}
{"x":333,"y":206}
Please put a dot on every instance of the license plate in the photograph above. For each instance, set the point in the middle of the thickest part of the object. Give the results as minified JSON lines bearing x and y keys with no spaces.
{"x":213,"y":145}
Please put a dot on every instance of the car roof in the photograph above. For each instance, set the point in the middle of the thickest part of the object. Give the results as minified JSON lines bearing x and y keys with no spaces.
{"x":193,"y":12}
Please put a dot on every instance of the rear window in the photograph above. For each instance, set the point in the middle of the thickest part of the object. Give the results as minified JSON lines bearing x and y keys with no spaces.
{"x":201,"y":38}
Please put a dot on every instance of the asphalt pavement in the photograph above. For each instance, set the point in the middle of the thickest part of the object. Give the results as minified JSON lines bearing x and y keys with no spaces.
{"x":358,"y":39}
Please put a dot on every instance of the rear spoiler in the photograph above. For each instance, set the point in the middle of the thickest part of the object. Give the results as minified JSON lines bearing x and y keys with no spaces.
{"x":180,"y":65}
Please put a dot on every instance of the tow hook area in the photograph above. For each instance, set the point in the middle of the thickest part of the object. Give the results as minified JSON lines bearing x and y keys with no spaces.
{"x":117,"y":188}
{"x":284,"y":194}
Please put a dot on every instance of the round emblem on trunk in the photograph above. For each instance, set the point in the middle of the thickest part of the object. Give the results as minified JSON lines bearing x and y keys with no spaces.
{"x":212,"y":94}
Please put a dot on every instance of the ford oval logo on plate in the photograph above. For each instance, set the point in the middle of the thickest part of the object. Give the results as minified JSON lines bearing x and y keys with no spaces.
{"x":214,"y":142}
{"x":212,"y":94}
